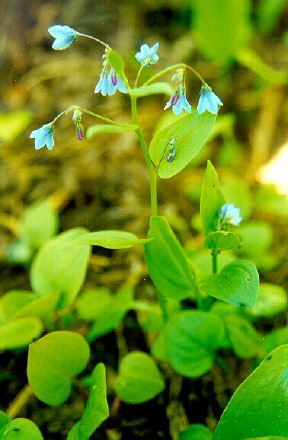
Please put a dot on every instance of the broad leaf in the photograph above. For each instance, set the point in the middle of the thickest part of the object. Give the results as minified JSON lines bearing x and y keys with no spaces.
{"x":236,"y":284}
{"x":53,"y":361}
{"x":211,"y":200}
{"x":96,"y":409}
{"x":259,"y":406}
{"x":191,"y":338}
{"x":13,"y":301}
{"x":152,"y":89}
{"x":39,"y":223}
{"x":20,"y":429}
{"x":60,"y":266}
{"x":167,"y":262}
{"x":271,"y":301}
{"x":245,"y":341}
{"x":222,"y":241}
{"x":188,"y":135}
{"x":139,"y":379}
{"x":106,"y":128}
{"x":19,"y":333}
{"x":112,"y":239}
{"x":195,"y":432}
{"x":276,"y":338}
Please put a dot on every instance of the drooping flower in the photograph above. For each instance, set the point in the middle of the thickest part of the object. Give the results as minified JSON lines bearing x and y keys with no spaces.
{"x":178,"y":100}
{"x":229,"y":214}
{"x":208,"y":101}
{"x":77,"y":118}
{"x":64,"y":36}
{"x":147,"y":55}
{"x":43,"y":136}
{"x":109,"y":81}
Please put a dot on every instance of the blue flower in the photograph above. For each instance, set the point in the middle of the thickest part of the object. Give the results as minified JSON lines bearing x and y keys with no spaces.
{"x":147,"y":55}
{"x":208,"y":101}
{"x":178,"y":102}
{"x":229,"y":214}
{"x":64,"y":36}
{"x":109,"y":81}
{"x":43,"y":136}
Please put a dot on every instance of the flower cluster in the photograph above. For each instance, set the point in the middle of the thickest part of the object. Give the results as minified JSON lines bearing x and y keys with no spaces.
{"x":178,"y":100}
{"x":109,"y":81}
{"x":229,"y":214}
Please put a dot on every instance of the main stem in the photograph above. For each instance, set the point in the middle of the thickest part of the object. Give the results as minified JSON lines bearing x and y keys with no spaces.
{"x":144,"y":147}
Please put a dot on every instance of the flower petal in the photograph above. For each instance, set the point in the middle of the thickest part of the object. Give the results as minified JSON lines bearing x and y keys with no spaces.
{"x":59,"y":31}
{"x":63,"y":43}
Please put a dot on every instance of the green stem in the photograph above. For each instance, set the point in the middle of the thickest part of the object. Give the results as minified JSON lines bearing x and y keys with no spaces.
{"x":174,"y":67}
{"x":95,"y":39}
{"x":20,"y":400}
{"x":110,"y":121}
{"x":144,"y":147}
{"x":214,"y":261}
{"x":138,"y":75}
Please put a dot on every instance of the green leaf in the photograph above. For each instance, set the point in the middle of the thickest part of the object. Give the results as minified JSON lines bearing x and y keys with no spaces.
{"x":211,"y":200}
{"x":96,"y":410}
{"x":106,"y":128}
{"x":271,"y":301}
{"x":39,"y":223}
{"x":257,"y":237}
{"x":42,"y":307}
{"x":276,"y":338}
{"x":93,"y":303}
{"x":196,"y":432}
{"x":259,"y":406}
{"x":4,"y":419}
{"x":13,"y":301}
{"x":222,"y":241}
{"x":268,"y":14}
{"x":221,"y":28}
{"x":19,"y":333}
{"x":112,"y":239}
{"x":52,"y":363}
{"x":13,"y":124}
{"x":152,"y":89}
{"x":191,"y":337}
{"x":20,"y":429}
{"x":167,"y":262}
{"x":237,"y":191}
{"x":236,"y":284}
{"x":189,"y":134}
{"x":60,"y":266}
{"x":113,"y":314}
{"x":139,"y":379}
{"x":246,"y":342}
{"x":116,"y":61}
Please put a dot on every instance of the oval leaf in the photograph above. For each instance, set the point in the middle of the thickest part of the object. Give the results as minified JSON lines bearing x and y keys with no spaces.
{"x":246,"y":342}
{"x":167,"y":263}
{"x":139,"y":379}
{"x":152,"y":89}
{"x":211,"y":199}
{"x":196,"y":432}
{"x":60,"y":266}
{"x":105,"y":128}
{"x":112,"y":239}
{"x":188,"y":135}
{"x":96,"y":409}
{"x":191,"y":338}
{"x":236,"y":284}
{"x":19,"y":333}
{"x":52,"y":362}
{"x":259,"y":407}
{"x":22,"y":429}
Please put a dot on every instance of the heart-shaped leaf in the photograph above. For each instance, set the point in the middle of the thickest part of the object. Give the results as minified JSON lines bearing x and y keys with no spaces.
{"x":191,"y":337}
{"x":96,"y":410}
{"x":211,"y":199}
{"x":53,"y":361}
{"x":236,"y":284}
{"x":60,"y":266}
{"x":139,"y":379}
{"x":187,"y":135}
{"x":167,"y":263}
{"x":259,"y":407}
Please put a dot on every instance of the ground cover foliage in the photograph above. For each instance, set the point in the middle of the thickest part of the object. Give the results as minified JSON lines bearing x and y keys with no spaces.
{"x":123,"y":316}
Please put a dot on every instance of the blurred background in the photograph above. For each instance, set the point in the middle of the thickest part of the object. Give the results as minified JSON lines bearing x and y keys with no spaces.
{"x":238,"y":46}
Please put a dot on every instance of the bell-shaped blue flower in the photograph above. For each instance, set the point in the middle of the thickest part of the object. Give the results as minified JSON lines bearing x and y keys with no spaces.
{"x":229,"y":214}
{"x":109,"y":82}
{"x":147,"y":55}
{"x":178,"y":102}
{"x":208,"y":101}
{"x":43,"y":136}
{"x":64,"y":36}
